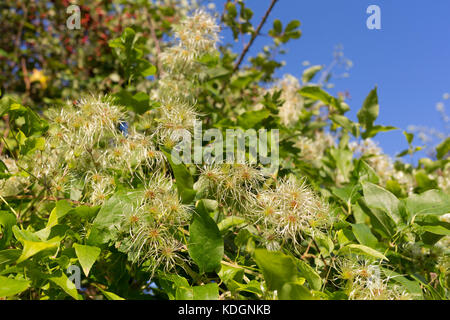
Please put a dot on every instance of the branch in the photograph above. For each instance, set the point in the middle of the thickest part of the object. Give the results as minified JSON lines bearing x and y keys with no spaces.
{"x":157,"y":47}
{"x":26,"y":79}
{"x":254,"y":35}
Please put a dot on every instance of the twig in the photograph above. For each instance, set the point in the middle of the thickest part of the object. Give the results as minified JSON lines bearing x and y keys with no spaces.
{"x":7,"y":204}
{"x":327,"y":267}
{"x":320,"y":254}
{"x":20,"y":29}
{"x":26,"y":79}
{"x":254,"y":35}
{"x":157,"y":47}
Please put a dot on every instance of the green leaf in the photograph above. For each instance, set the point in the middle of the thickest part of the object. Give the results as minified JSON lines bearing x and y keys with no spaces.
{"x":10,"y":287}
{"x":84,"y":212}
{"x":345,"y":236}
{"x":409,"y":137}
{"x":309,"y":73}
{"x":30,"y":248}
{"x":147,"y":69}
{"x":364,"y":172}
{"x":86,"y":256}
{"x":364,"y":235}
{"x":32,"y":144}
{"x":313,"y":278}
{"x":347,"y":194}
{"x":251,"y":119}
{"x":64,"y":283}
{"x":424,"y":182}
{"x":345,"y":123}
{"x":379,"y":198}
{"x":369,"y":111}
{"x":343,"y":159}
{"x":373,"y":131}
{"x":32,"y":244}
{"x":22,"y":234}
{"x":361,"y":249}
{"x":205,"y":245}
{"x":413,"y":286}
{"x":276,"y":267}
{"x":317,"y":93}
{"x":434,"y":202}
{"x":170,"y":283}
{"x":7,"y":221}
{"x":294,"y":24}
{"x":32,"y":123}
{"x":109,"y":218}
{"x":184,"y":180}
{"x":109,"y":295}
{"x":208,"y":291}
{"x":439,"y":230}
{"x":4,"y":173}
{"x":62,"y":207}
{"x":217,"y":72}
{"x":139,"y":103}
{"x":325,"y":243}
{"x":443,"y":149}
{"x":231,"y":276}
{"x":277,"y":26}
{"x":395,"y":187}
{"x":230,"y":222}
{"x":294,"y":291}
{"x":8,"y":256}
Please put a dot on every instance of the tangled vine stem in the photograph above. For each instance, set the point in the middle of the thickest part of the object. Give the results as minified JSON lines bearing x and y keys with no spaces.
{"x":254,"y":35}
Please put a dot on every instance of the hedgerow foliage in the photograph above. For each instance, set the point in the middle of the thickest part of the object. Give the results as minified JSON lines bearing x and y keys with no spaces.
{"x":91,"y":182}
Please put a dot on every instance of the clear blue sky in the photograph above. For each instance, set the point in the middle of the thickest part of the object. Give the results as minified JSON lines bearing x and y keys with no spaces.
{"x":408,"y":59}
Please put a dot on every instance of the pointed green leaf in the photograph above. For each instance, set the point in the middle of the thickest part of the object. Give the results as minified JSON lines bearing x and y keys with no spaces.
{"x":109,"y":218}
{"x":183,"y":179}
{"x":68,"y":286}
{"x":294,"y":291}
{"x":361,"y":249}
{"x":364,"y":235}
{"x":379,"y":198}
{"x":443,"y":149}
{"x":309,"y":73}
{"x":7,"y":221}
{"x":86,"y":256}
{"x":276,"y":267}
{"x":10,"y":287}
{"x":30,"y":248}
{"x":313,"y":278}
{"x":205,"y":245}
{"x":369,"y":111}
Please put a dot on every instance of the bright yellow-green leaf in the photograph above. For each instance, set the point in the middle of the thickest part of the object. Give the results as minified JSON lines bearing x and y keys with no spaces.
{"x":87,"y":256}
{"x":68,"y":286}
{"x":364,"y":250}
{"x":30,"y":248}
{"x":10,"y":287}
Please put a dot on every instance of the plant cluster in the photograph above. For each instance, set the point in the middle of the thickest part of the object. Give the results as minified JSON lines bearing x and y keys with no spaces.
{"x":93,"y":182}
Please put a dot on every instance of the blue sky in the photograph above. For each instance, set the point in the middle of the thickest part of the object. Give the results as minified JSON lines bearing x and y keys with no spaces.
{"x":408,"y":59}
